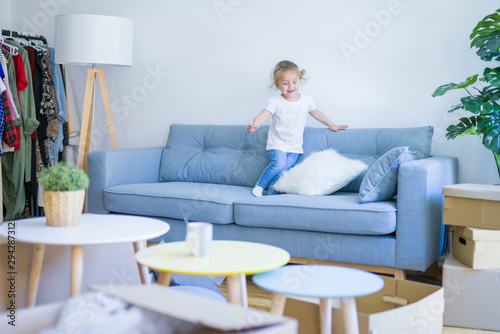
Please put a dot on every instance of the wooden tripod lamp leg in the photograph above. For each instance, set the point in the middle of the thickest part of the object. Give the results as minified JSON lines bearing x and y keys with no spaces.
{"x":107,"y":108}
{"x":88,"y":110}
{"x":86,"y":119}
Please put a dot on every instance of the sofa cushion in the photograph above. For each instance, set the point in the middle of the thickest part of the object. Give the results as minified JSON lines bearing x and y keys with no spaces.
{"x":338,"y":213}
{"x":321,"y":173}
{"x":381,"y":180}
{"x":225,"y":154}
{"x":367,"y":145}
{"x":228,"y":154}
{"x":181,"y":200}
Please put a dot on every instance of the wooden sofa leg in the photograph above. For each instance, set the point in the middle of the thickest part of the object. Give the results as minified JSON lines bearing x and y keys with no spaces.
{"x":400,"y":274}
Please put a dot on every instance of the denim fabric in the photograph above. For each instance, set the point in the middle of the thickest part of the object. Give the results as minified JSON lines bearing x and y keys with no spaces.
{"x":280,"y":162}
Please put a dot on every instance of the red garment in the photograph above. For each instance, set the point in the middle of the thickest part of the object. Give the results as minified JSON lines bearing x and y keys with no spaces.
{"x":9,"y":132}
{"x":22,"y":83}
{"x":18,"y":146}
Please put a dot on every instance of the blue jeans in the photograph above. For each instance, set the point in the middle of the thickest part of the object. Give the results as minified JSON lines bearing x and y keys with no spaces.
{"x":280,"y":162}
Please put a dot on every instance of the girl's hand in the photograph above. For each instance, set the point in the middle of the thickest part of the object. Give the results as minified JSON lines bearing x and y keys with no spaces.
{"x":336,"y":128}
{"x":252,"y":127}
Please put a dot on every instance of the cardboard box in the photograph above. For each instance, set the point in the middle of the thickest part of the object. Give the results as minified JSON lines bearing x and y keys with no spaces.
{"x":400,"y":307}
{"x":473,"y":205}
{"x":476,"y":247}
{"x":213,"y":316}
{"x":472,"y":297}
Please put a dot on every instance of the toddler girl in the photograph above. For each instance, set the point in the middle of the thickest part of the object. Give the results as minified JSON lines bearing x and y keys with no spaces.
{"x":289,"y":115}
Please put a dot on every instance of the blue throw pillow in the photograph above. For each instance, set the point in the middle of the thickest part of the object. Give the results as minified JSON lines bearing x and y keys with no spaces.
{"x":381,"y":181}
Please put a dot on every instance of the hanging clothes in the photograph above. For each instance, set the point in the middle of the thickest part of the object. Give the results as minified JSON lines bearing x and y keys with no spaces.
{"x":62,"y":116}
{"x":10,"y":81}
{"x":35,"y":91}
{"x":17,"y":164}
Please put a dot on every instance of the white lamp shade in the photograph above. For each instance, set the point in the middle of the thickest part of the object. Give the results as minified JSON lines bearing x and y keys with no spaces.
{"x":93,"y":39}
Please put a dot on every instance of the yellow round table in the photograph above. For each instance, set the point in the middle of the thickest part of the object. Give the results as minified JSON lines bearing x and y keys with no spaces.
{"x":235,"y":259}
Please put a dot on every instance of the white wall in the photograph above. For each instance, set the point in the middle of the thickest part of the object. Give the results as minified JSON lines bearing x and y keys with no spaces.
{"x":5,"y":14}
{"x":212,"y":60}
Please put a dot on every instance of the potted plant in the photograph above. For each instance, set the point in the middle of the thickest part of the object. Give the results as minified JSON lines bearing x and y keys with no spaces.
{"x":63,"y":194}
{"x":485,"y":111}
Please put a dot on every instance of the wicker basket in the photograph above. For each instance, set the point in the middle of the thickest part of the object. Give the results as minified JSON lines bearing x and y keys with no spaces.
{"x":63,"y":208}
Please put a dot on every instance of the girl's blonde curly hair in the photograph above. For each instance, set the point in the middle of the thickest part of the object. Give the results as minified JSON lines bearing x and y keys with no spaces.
{"x":282,"y":67}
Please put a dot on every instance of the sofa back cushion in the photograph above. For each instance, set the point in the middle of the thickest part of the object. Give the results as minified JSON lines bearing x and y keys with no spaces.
{"x":228,"y":154}
{"x":221,"y":154}
{"x":367,"y":144}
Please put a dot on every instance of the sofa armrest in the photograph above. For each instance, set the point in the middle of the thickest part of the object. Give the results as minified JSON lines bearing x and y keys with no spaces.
{"x":419,"y":231}
{"x":120,"y":166}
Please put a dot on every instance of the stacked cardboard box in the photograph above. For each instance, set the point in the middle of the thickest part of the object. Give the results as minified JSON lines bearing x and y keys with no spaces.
{"x":472,"y":284}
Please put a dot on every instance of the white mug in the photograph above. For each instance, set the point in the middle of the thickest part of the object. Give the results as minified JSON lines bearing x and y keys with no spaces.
{"x":199,"y":238}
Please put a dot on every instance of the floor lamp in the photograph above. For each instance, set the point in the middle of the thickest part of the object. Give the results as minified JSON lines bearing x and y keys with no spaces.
{"x":83,"y":39}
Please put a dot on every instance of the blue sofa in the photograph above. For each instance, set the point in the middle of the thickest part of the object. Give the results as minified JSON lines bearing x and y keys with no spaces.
{"x":206,"y":173}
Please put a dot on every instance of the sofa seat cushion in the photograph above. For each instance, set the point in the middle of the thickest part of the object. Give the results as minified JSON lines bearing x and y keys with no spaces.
{"x":338,"y":213}
{"x":181,"y":200}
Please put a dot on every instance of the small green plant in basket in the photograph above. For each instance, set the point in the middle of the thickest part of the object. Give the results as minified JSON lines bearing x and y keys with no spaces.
{"x":63,"y":194}
{"x":63,"y":177}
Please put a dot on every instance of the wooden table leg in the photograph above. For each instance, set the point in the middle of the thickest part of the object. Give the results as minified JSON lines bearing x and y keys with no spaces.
{"x":76,"y":270}
{"x":325,"y":315}
{"x":143,"y":270}
{"x":36,"y":270}
{"x":278,"y":304}
{"x":237,"y":289}
{"x":350,"y":315}
{"x":164,"y":278}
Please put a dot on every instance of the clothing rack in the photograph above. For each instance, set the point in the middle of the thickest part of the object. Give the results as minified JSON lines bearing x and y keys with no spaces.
{"x":24,"y":35}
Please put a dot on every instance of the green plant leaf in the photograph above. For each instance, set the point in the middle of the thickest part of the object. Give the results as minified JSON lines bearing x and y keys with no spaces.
{"x":456,"y":107}
{"x":491,"y":93}
{"x":492,"y":76}
{"x":474,"y":104}
{"x":486,"y":37}
{"x":63,"y":177}
{"x":466,"y":126}
{"x":489,"y":49}
{"x":491,"y":137}
{"x":489,"y":126}
{"x":443,"y":89}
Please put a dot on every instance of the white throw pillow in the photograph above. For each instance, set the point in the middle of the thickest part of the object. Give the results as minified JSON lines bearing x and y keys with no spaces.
{"x":321,"y":173}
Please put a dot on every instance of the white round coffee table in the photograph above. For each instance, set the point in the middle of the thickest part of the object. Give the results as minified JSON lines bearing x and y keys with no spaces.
{"x":323,"y":282}
{"x":93,"y":229}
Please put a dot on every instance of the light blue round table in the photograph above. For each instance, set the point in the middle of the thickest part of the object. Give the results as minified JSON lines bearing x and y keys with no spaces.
{"x":323,"y":282}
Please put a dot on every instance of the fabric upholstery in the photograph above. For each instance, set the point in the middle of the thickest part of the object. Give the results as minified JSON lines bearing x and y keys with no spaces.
{"x":381,"y":181}
{"x":182,"y":200}
{"x":214,"y":154}
{"x":337,"y":213}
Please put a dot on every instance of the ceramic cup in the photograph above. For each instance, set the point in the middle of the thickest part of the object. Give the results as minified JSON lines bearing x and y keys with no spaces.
{"x":199,"y":238}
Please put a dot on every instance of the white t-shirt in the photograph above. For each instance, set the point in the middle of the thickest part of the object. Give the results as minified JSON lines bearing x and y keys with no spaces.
{"x":288,"y":122}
